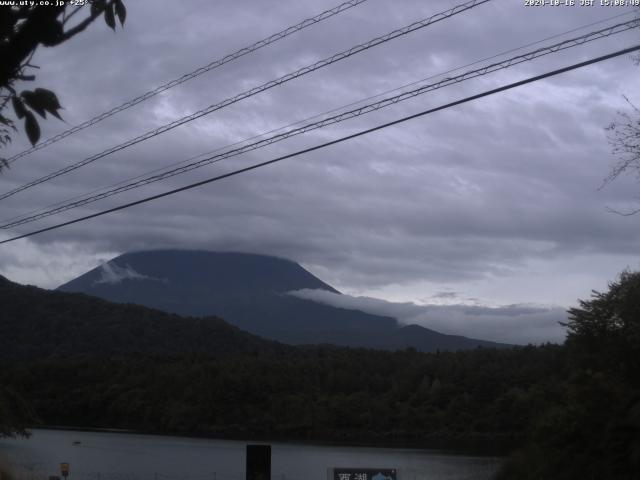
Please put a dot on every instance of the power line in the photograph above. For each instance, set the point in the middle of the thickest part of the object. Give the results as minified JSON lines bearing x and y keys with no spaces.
{"x":335,"y":119}
{"x":298,"y":122}
{"x":333,"y":142}
{"x":307,"y":119}
{"x":254,"y":91}
{"x":525,"y":57}
{"x":191,"y":75}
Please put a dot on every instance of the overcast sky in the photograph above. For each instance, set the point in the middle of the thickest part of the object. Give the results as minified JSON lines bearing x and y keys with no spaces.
{"x":495,"y":203}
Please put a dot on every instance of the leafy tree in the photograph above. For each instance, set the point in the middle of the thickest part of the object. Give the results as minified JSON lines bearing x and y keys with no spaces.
{"x":604,"y":332}
{"x":624,"y":137}
{"x":15,"y":414}
{"x":23,"y":28}
{"x":594,"y":432}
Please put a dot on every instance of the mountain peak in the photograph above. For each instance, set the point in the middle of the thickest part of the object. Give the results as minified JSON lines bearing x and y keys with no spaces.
{"x":250,"y":291}
{"x":198,"y":269}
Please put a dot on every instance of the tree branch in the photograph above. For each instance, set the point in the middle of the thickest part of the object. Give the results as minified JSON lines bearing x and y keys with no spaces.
{"x":82,"y":25}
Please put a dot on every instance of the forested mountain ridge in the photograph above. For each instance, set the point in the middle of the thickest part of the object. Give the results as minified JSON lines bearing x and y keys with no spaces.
{"x":252,"y":292}
{"x":82,"y":361}
{"x":36,"y":324}
{"x":574,"y":408}
{"x":483,"y":397}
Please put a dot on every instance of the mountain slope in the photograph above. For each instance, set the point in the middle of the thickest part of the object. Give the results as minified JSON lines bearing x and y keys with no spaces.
{"x":250,"y":291}
{"x":37,"y":324}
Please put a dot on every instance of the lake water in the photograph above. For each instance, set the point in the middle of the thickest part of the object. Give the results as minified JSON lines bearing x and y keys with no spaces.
{"x":122,"y":456}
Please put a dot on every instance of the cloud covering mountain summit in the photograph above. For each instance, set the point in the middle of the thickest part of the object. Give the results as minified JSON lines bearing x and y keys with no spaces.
{"x":112,"y":274}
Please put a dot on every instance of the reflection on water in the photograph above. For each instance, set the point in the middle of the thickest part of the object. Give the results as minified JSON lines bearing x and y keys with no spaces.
{"x":117,"y":456}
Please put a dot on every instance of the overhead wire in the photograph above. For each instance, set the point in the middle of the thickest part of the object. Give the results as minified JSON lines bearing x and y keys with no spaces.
{"x":525,"y":57}
{"x":256,"y":90}
{"x":332,"y":142}
{"x":191,"y":75}
{"x":319,"y":115}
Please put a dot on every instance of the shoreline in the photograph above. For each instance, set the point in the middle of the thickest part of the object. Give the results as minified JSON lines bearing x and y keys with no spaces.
{"x":480,"y":445}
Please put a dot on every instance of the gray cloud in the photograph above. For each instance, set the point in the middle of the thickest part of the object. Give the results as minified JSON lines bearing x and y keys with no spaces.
{"x":483,"y":199}
{"x":445,"y":295}
{"x":112,"y":273}
{"x":51,"y":264}
{"x":518,"y":324}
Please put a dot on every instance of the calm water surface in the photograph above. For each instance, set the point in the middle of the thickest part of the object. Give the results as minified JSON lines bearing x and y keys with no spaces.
{"x":119,"y":456}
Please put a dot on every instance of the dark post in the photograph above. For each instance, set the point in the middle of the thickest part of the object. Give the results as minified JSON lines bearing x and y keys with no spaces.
{"x":258,"y":462}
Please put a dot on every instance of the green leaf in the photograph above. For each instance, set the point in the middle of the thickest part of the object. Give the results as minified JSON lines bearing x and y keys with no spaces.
{"x":121,"y":11}
{"x":18,"y":107}
{"x":51,"y":32}
{"x":97,"y":6}
{"x":34,"y":102}
{"x":48,"y":100}
{"x":109,"y":17}
{"x":32,"y":127}
{"x":42,"y":101}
